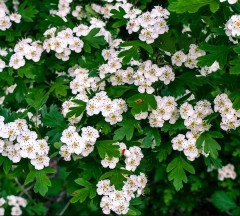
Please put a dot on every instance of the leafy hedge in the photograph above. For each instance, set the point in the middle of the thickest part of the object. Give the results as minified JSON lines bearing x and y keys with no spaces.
{"x":119,"y":107}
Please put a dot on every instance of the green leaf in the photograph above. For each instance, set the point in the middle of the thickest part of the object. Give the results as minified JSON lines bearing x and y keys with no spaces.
{"x":222,"y":201}
{"x":234,"y":96}
{"x":42,"y":181}
{"x":27,"y":11}
{"x":36,"y":98}
{"x":118,"y":91}
{"x":6,"y":163}
{"x":152,"y":138}
{"x":129,"y":54}
{"x":235,"y":67}
{"x":132,"y":52}
{"x":118,"y":14}
{"x":164,"y":151}
{"x":77,"y":110}
{"x":92,"y":40}
{"x":83,"y":182}
{"x":138,"y":43}
{"x":142,"y":103}
{"x":209,"y":145}
{"x":192,"y":6}
{"x":116,"y":177}
{"x":6,"y":76}
{"x":214,"y":53}
{"x":29,"y":71}
{"x":54,"y":120}
{"x":59,"y":87}
{"x":105,"y":127}
{"x":107,"y":147}
{"x":173,"y":128}
{"x":119,"y":23}
{"x":127,"y":129}
{"x":176,"y":169}
{"x":81,"y":195}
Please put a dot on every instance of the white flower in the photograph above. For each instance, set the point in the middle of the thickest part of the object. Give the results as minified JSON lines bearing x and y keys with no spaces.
{"x":226,"y":172}
{"x":16,"y":61}
{"x":110,"y":162}
{"x":146,"y":19}
{"x":15,"y":17}
{"x":42,"y":147}
{"x":104,"y":188}
{"x":81,"y":30}
{"x":191,"y":150}
{"x":89,"y":147}
{"x":16,"y":210}
{"x":178,"y":58}
{"x":5,"y":23}
{"x":106,"y":204}
{"x":68,"y":134}
{"x":77,"y":145}
{"x":179,"y":142}
{"x":2,"y":210}
{"x":148,"y":35}
{"x":40,"y":162}
{"x":167,"y":74}
{"x":89,"y":134}
{"x":232,"y":27}
{"x":186,"y":110}
{"x":65,"y":152}
{"x":2,"y":202}
{"x":13,"y":153}
{"x":132,"y":26}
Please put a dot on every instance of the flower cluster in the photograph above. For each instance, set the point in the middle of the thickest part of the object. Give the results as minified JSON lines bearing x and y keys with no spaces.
{"x":152,"y":24}
{"x":204,"y":71}
{"x":15,"y":202}
{"x":82,"y":84}
{"x":193,"y":120}
{"x":111,"y":162}
{"x":105,"y":10}
{"x":187,"y":144}
{"x":63,"y":9}
{"x":62,"y":43}
{"x":194,"y":116}
{"x":79,"y":13}
{"x":25,"y":49}
{"x":76,"y":144}
{"x":17,"y":142}
{"x":113,"y":62}
{"x":6,"y":18}
{"x":111,"y":109}
{"x":226,"y":172}
{"x":118,"y":201}
{"x":166,"y":111}
{"x":189,"y":60}
{"x":230,"y":116}
{"x":133,"y":157}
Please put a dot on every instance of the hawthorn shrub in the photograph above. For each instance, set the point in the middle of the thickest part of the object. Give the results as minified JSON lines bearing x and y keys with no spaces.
{"x":119,"y":107}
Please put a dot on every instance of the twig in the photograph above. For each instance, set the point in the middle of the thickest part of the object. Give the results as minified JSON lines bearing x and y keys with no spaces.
{"x":64,"y":209}
{"x":24,"y":190}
